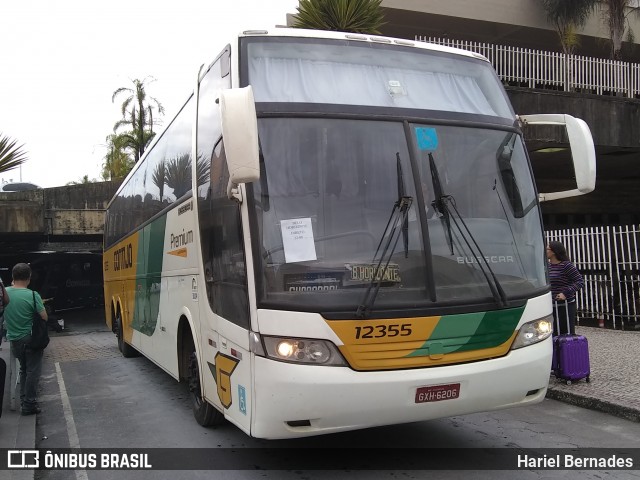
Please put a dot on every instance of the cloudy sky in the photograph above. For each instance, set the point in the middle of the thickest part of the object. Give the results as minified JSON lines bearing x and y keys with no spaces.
{"x":63,"y":59}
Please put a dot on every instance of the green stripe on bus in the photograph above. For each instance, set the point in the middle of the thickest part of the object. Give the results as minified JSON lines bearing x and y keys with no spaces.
{"x":469,"y":332}
{"x":148,"y":278}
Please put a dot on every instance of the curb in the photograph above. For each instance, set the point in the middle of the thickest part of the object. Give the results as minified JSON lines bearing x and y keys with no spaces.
{"x":25,"y":439}
{"x":591,"y":403}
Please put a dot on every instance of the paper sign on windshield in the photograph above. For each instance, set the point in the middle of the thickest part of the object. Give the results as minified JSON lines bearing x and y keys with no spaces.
{"x":297,"y":240}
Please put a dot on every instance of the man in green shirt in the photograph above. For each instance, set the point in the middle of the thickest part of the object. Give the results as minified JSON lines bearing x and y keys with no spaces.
{"x":19,"y":317}
{"x":4,"y":301}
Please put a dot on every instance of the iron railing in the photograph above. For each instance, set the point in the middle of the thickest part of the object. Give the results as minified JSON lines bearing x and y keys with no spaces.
{"x":609,"y":260}
{"x":542,"y":69}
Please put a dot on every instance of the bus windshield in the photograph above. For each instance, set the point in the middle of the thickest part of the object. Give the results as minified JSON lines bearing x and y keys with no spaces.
{"x":328,"y":190}
{"x":314,"y":71}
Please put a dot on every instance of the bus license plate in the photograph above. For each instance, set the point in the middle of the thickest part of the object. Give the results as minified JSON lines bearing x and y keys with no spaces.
{"x":436,"y":393}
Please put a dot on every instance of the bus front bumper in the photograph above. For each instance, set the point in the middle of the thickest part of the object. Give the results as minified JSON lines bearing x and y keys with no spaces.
{"x":300,"y":400}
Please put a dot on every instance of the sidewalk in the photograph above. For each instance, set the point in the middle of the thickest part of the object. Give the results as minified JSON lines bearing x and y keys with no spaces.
{"x":615,"y":384}
{"x":614,"y":387}
{"x":16,"y":431}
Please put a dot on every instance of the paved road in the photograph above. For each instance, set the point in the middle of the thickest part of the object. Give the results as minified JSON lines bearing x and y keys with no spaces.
{"x":111,"y":404}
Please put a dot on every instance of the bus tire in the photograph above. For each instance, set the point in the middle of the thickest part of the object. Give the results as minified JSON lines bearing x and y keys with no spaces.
{"x":127,"y":350}
{"x":205,"y":413}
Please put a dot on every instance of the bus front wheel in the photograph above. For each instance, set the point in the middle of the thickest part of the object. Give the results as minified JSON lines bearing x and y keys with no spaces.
{"x":205,"y":413}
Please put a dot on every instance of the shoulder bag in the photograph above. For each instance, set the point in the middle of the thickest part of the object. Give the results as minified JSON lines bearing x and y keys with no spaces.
{"x":39,"y":330}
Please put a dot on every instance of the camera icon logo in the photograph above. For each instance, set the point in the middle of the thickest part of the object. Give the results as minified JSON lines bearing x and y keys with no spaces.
{"x":23,"y":459}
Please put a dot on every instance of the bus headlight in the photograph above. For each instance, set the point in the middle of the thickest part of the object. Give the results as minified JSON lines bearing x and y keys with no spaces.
{"x":533,"y":332}
{"x":303,"y":350}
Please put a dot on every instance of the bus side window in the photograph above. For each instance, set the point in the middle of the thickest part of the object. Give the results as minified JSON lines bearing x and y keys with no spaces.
{"x":222,"y":246}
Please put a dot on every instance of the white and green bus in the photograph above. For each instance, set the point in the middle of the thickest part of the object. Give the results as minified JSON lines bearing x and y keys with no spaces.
{"x":335,"y":232}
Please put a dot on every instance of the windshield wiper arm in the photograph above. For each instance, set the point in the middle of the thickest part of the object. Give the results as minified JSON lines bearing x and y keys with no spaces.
{"x":439,"y":204}
{"x":401,"y":194}
{"x":442,"y":203}
{"x":397,"y":218}
{"x":398,"y":222}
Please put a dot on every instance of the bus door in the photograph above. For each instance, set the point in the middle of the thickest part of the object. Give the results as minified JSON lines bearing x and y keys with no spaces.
{"x":227,"y":305}
{"x":223,"y":258}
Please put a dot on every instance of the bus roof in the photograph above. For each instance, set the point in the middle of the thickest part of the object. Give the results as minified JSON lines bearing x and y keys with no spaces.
{"x":303,"y":33}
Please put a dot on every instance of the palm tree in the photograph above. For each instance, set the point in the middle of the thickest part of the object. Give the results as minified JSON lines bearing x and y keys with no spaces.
{"x":11,"y":155}
{"x":159,"y":176}
{"x":178,"y":173}
{"x":137,"y":113}
{"x":615,"y":15}
{"x":117,"y":162}
{"x":358,"y":16}
{"x":568,"y":16}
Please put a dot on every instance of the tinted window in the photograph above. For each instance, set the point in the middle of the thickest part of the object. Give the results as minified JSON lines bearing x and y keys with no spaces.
{"x":163,"y":177}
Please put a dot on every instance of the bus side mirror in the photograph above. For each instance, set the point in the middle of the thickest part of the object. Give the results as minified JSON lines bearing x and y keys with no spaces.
{"x":240,"y":136}
{"x":583,"y":152}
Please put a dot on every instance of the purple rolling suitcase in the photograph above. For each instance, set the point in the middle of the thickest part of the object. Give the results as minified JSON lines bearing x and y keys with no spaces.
{"x":570,"y":353}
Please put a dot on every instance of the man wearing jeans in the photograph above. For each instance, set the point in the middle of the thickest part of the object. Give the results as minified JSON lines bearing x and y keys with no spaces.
{"x":19,"y":317}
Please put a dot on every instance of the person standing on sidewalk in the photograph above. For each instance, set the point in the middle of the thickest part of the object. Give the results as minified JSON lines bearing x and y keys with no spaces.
{"x":565,"y":282}
{"x":4,"y":301}
{"x":19,"y":317}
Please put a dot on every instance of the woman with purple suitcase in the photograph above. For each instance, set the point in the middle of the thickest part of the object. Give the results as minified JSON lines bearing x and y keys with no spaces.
{"x":565,"y":282}
{"x":570,"y":351}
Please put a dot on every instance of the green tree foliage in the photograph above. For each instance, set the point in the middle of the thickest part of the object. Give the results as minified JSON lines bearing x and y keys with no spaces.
{"x":177,"y":174}
{"x":615,"y":15}
{"x":11,"y":154}
{"x":137,"y":114}
{"x":358,"y":16}
{"x":159,"y":177}
{"x":117,"y":162}
{"x":84,"y":180}
{"x":568,"y":16}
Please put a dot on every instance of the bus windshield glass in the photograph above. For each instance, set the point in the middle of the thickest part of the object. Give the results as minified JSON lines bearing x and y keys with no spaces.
{"x":329,"y":188}
{"x":359,"y":73}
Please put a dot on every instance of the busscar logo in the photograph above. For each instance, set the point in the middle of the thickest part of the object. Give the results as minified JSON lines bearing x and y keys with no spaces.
{"x":185,"y":208}
{"x":23,"y":459}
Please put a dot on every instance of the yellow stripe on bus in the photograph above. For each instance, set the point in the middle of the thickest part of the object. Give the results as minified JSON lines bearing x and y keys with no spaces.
{"x":388,"y":344}
{"x":120,"y":264}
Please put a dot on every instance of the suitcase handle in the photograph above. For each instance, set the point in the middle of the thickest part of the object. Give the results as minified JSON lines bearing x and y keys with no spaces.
{"x":566,"y":306}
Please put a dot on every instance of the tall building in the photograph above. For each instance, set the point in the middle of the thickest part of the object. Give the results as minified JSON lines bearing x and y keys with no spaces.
{"x":518,"y":23}
{"x":524,"y":47}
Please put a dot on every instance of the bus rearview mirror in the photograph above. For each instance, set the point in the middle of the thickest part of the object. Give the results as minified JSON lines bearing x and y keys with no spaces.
{"x":240,"y":136}
{"x":583,"y":152}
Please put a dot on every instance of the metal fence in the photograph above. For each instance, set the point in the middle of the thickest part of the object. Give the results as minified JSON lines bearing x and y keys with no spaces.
{"x":532,"y":68}
{"x":609,"y":260}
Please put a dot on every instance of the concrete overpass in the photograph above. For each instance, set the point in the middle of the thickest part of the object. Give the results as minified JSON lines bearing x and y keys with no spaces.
{"x":68,"y":218}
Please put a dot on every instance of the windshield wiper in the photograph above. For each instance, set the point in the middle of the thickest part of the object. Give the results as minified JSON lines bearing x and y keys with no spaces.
{"x":442,"y":203}
{"x":439,"y":203}
{"x":397,"y":224}
{"x":401,"y":194}
{"x":504,"y":156}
